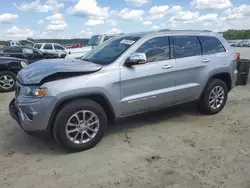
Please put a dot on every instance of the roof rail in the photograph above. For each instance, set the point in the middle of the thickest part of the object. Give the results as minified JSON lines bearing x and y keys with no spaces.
{"x":165,"y":30}
{"x":207,"y":30}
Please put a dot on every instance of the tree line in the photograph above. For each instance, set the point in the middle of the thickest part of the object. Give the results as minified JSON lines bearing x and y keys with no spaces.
{"x":232,"y":34}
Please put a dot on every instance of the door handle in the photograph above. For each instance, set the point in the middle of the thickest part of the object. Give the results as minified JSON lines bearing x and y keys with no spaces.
{"x":205,"y":60}
{"x":167,"y":67}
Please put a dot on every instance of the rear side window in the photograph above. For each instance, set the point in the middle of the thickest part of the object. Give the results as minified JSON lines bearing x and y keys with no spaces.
{"x":48,"y":47}
{"x":38,"y":46}
{"x":156,"y":49}
{"x":58,"y":47}
{"x":186,"y":46}
{"x":12,"y":50}
{"x":211,"y":45}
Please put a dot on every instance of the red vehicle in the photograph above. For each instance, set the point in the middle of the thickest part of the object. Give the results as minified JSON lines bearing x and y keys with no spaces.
{"x":74,"y":46}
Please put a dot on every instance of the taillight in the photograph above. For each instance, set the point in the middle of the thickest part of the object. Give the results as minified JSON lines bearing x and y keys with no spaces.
{"x":237,"y":57}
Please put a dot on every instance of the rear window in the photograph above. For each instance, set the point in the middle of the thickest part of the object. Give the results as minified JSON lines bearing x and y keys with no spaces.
{"x":186,"y":46}
{"x":48,"y":47}
{"x":37,"y":46}
{"x":211,"y":45}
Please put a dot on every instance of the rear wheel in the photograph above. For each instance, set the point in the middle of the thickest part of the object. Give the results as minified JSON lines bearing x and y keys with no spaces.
{"x":214,"y":97}
{"x":80,"y":125}
{"x":7,"y":81}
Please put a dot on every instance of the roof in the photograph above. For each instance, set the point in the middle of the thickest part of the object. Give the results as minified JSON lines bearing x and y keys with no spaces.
{"x":168,"y":31}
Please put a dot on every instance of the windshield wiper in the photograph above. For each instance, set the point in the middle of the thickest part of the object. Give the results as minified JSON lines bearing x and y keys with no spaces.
{"x":86,"y":60}
{"x":83,"y":59}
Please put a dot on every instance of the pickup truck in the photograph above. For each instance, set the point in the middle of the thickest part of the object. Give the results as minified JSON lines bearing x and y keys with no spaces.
{"x":94,"y":41}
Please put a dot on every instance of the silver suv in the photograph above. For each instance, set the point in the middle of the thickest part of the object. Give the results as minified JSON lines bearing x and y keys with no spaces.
{"x":130,"y":74}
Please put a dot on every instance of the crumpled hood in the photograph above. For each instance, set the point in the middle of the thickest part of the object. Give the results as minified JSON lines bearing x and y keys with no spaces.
{"x":36,"y":72}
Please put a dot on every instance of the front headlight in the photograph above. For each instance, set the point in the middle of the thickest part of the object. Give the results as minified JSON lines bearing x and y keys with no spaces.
{"x":36,"y":92}
{"x":23,"y":64}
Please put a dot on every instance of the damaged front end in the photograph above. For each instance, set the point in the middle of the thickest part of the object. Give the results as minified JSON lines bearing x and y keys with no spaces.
{"x":55,"y":69}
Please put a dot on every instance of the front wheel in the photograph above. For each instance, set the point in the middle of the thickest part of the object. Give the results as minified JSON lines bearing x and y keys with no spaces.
{"x":214,"y":97}
{"x":80,"y":125}
{"x":7,"y":81}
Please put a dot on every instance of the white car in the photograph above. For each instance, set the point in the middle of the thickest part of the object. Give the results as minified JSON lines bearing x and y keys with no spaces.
{"x":52,"y":48}
{"x":94,"y":41}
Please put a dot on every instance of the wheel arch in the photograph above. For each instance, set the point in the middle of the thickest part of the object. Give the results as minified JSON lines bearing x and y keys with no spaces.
{"x":99,"y":98}
{"x":224,"y":76}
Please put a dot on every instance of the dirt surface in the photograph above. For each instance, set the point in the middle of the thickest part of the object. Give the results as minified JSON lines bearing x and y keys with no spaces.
{"x":176,"y":148}
{"x":244,"y":52}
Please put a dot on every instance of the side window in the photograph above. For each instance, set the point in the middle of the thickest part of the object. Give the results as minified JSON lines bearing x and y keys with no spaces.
{"x":211,"y":45}
{"x":12,"y":50}
{"x":27,"y":51}
{"x":186,"y":46}
{"x":48,"y":47}
{"x":58,"y":47}
{"x":156,"y":49}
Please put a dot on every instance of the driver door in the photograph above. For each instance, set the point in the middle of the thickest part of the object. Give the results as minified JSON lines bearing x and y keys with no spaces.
{"x":151,"y":85}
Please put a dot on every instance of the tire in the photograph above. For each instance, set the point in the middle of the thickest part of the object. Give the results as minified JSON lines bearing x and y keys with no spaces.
{"x":9,"y":75}
{"x":65,"y":114}
{"x":204,"y":103}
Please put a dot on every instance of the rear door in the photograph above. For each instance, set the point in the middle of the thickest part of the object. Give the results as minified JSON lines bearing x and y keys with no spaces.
{"x":151,"y":85}
{"x":214,"y":53}
{"x":48,"y":48}
{"x":190,"y":69}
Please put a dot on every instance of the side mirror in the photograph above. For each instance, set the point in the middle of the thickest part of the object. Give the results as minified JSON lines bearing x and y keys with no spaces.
{"x":136,"y":59}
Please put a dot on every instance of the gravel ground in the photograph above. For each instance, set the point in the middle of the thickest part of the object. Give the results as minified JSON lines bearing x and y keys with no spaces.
{"x":244,"y":52}
{"x":175,"y":148}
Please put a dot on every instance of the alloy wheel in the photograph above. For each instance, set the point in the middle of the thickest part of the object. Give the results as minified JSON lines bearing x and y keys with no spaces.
{"x":216,"y":97}
{"x":82,"y":127}
{"x":6,"y":82}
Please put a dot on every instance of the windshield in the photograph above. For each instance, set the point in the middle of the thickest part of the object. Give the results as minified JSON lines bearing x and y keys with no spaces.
{"x":95,"y":40}
{"x":108,"y":52}
{"x":37,"y":50}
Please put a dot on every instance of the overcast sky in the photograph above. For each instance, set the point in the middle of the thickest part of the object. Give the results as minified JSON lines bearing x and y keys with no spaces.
{"x":83,"y":18}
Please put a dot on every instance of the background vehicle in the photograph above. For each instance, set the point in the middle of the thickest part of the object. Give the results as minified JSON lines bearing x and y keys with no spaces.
{"x":27,"y":43}
{"x":52,"y":48}
{"x":28,"y":53}
{"x":94,"y":41}
{"x":12,"y":43}
{"x":9,"y":67}
{"x":239,"y":44}
{"x":70,"y":46}
{"x":246,"y":43}
{"x":126,"y":75}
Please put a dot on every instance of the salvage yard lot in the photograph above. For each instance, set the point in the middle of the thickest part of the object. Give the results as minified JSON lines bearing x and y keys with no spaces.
{"x":177,"y":147}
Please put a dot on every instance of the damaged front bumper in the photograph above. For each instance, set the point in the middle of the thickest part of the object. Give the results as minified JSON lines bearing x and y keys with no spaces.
{"x":21,"y":118}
